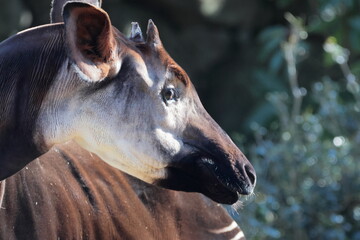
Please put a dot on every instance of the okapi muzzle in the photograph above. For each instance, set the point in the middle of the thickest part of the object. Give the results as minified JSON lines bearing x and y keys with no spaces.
{"x":212,"y":164}
{"x":124,"y":99}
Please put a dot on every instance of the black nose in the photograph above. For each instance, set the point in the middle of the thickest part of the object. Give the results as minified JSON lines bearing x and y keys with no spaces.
{"x":250,"y":178}
{"x":250,"y":172}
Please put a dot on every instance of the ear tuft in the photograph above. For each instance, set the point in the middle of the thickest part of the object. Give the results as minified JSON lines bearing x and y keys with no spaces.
{"x":91,"y":41}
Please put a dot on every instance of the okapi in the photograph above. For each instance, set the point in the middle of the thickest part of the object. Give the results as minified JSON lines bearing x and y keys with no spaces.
{"x":123,"y":99}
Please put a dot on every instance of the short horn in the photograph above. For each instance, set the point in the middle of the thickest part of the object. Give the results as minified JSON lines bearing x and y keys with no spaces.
{"x":136,"y":34}
{"x":153,"y":38}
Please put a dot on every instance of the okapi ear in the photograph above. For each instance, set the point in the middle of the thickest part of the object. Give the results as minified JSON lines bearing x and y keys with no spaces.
{"x":91,"y":41}
{"x":57,"y":7}
{"x":153,"y":37}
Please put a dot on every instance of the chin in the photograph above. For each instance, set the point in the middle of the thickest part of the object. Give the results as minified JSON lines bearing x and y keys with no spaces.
{"x":202,"y":175}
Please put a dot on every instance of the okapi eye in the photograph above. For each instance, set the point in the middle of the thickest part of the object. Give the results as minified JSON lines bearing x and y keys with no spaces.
{"x":169,"y":94}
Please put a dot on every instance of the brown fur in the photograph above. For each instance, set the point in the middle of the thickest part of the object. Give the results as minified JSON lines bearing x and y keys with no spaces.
{"x":72,"y":194}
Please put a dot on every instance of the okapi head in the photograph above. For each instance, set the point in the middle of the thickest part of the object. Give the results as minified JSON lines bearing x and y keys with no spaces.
{"x":126,"y":100}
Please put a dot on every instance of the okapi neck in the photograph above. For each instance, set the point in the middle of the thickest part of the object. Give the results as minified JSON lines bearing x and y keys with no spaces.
{"x":27,"y":73}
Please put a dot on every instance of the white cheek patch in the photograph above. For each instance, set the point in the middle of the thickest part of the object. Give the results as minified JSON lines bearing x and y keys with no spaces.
{"x":168,"y":141}
{"x":118,"y":148}
{"x":99,"y":125}
{"x":124,"y":145}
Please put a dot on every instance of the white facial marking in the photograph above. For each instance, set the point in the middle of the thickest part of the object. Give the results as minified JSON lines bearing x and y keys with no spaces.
{"x":168,"y":141}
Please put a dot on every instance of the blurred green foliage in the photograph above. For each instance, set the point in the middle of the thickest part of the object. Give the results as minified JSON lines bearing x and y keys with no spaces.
{"x":285,"y":87}
{"x":309,"y":171}
{"x":307,"y":159}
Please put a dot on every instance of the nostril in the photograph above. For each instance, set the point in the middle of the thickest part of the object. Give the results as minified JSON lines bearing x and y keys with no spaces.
{"x":250,"y":172}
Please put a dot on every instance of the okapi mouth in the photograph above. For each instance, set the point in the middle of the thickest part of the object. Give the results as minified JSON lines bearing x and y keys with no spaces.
{"x":202,"y":173}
